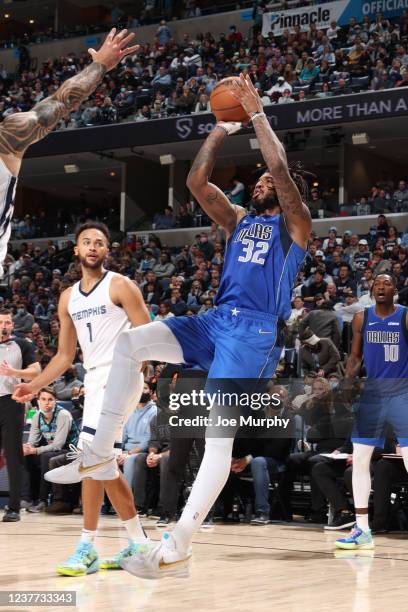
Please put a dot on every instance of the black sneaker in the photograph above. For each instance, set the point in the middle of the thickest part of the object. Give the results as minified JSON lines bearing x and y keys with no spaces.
{"x":59,"y":507}
{"x":318,"y":517}
{"x":164,"y":521}
{"x":11,"y":517}
{"x":260,"y":519}
{"x":341,"y":520}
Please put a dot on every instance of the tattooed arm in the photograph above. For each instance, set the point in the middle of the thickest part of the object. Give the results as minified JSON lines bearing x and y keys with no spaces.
{"x":213,"y":201}
{"x":20,"y":130}
{"x":297,"y":215}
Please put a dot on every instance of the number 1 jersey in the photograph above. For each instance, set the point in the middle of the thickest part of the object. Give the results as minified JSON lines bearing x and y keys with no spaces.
{"x":260,"y":267}
{"x":98,"y":321}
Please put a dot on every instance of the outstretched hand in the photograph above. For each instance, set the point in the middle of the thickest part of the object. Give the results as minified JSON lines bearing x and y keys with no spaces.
{"x":244,"y":91}
{"x":114,"y":48}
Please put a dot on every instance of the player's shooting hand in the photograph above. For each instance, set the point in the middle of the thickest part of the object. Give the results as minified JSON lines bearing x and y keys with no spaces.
{"x":230,"y":126}
{"x":114,"y":48}
{"x":246,"y":94}
{"x":23,"y":392}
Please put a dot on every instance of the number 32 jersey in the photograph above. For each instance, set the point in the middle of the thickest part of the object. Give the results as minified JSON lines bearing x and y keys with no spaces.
{"x":260,"y":267}
{"x":98,"y":321}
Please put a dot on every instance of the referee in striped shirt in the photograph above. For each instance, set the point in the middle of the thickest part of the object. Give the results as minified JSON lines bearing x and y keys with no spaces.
{"x":17,"y":362}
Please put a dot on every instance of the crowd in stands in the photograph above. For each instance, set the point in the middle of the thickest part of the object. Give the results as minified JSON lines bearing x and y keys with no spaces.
{"x":334,"y":284}
{"x":168,"y":77}
{"x":384,"y":197}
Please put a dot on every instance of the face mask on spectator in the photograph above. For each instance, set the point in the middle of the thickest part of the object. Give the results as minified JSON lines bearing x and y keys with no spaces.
{"x":144,"y":398}
{"x":21,"y":311}
{"x":333,"y":384}
{"x":308,"y":388}
{"x":79,"y":401}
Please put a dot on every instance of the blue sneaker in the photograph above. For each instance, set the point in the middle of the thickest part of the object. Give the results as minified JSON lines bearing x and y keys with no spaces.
{"x":83,"y":561}
{"x":357,"y":540}
{"x":114,"y":562}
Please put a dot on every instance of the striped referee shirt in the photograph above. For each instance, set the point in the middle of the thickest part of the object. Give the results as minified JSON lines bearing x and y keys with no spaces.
{"x":19,"y":354}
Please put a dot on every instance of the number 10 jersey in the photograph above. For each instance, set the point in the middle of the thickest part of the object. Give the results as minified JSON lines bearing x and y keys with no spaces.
{"x":98,"y":321}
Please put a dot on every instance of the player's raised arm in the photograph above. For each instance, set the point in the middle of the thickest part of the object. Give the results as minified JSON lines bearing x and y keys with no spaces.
{"x":296,"y":213}
{"x":213,"y":201}
{"x":20,"y":130}
{"x":67,"y":343}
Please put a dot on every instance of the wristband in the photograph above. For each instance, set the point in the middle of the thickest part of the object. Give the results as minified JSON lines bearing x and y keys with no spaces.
{"x":257,"y":114}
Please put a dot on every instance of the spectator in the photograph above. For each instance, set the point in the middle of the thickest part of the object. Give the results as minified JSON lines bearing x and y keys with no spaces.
{"x":164,"y":312}
{"x":318,"y":355}
{"x":286,"y":97}
{"x":23,"y":320}
{"x":52,"y":429}
{"x":164,"y":269}
{"x":322,"y":321}
{"x":165,"y":220}
{"x":136,"y":433}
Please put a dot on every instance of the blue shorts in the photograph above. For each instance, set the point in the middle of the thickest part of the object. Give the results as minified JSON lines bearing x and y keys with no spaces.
{"x":373,"y":415}
{"x":230,"y":342}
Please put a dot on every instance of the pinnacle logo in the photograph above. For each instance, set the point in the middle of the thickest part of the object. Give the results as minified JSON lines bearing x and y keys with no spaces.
{"x":184,"y":127}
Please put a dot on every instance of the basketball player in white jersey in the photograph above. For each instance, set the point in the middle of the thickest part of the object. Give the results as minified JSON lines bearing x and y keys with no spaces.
{"x":20,"y":130}
{"x":94,"y":312}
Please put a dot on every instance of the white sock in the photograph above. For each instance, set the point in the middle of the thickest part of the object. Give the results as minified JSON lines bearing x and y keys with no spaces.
{"x":134,"y":529}
{"x":88,"y":536}
{"x":362,"y":521}
{"x":211,"y":478}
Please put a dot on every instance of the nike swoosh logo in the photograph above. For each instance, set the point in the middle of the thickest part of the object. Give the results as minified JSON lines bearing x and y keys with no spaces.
{"x":164,"y":565}
{"x":375,"y":323}
{"x":261,"y":331}
{"x":86,"y":470}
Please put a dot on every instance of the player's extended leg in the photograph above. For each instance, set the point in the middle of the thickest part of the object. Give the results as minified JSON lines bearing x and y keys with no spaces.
{"x":85,"y":558}
{"x":360,"y":536}
{"x":151,"y":342}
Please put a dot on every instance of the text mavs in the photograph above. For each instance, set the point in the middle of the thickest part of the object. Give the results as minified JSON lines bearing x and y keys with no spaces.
{"x":257,"y":230}
{"x":89,"y":312}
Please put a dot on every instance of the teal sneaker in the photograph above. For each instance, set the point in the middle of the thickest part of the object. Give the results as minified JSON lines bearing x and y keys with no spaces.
{"x":357,"y":540}
{"x":84,"y":561}
{"x":114,"y":562}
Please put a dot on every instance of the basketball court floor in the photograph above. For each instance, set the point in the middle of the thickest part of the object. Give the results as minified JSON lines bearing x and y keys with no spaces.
{"x":244,"y":568}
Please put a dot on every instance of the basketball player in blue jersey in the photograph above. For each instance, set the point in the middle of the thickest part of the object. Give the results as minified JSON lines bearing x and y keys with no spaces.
{"x":94,"y":312}
{"x":380,"y":337}
{"x":20,"y":130}
{"x":239,"y":339}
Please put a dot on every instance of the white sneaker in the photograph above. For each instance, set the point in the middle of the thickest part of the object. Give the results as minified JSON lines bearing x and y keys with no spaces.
{"x":149,"y":561}
{"x":85,"y":465}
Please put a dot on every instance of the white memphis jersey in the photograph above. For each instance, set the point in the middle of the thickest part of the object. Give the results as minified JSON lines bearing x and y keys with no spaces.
{"x":8,"y":184}
{"x":98,"y":321}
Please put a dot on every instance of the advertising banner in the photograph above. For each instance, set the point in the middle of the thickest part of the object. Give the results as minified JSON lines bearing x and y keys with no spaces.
{"x":322,"y":14}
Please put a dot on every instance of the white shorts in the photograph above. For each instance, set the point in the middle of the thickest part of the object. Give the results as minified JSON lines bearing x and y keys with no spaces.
{"x":95,"y":383}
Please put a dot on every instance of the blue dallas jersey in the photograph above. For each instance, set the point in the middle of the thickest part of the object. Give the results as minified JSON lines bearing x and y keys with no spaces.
{"x":385,"y":350}
{"x":260,"y":267}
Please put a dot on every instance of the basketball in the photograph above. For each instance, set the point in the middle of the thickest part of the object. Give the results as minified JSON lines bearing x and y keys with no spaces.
{"x":223,"y":104}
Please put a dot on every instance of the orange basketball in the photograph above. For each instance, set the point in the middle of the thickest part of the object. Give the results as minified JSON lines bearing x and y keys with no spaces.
{"x":223,"y":104}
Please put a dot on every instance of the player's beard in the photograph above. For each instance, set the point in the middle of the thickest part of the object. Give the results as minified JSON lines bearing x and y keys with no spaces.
{"x":267,"y":203}
{"x":91,"y":265}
